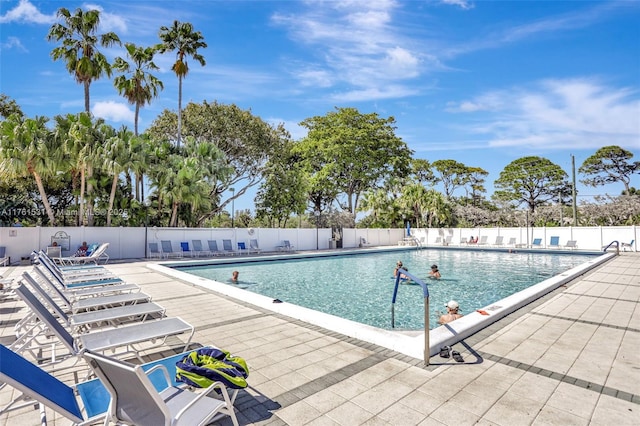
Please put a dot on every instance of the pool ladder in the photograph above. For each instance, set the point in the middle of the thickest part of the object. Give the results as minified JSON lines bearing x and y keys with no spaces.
{"x":425,"y":291}
{"x":617,"y":244}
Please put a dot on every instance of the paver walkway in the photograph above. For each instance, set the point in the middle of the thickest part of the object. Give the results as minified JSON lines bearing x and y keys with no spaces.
{"x":570,"y":358}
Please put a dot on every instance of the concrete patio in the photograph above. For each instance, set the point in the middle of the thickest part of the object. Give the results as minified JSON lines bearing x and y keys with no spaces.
{"x":570,"y":358}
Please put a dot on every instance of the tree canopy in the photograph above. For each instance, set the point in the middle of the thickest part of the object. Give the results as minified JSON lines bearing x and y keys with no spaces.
{"x":531,"y":180}
{"x":610,"y":164}
{"x":347,"y":153}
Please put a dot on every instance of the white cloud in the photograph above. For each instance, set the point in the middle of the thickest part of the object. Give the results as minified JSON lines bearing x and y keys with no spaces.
{"x":13,"y":43}
{"x":113,"y":111}
{"x":108,"y":21}
{"x":296,"y":131}
{"x":355,"y":45}
{"x":26,"y":12}
{"x":463,"y":4}
{"x":559,"y":114}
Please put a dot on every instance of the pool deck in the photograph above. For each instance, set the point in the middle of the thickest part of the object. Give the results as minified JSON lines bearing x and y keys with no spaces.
{"x":571,"y":357}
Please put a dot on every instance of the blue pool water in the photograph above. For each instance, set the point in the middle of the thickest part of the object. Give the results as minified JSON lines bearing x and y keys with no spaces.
{"x":360,"y":287}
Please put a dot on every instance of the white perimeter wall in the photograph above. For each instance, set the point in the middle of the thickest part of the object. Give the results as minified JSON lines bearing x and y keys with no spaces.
{"x":129,"y":243}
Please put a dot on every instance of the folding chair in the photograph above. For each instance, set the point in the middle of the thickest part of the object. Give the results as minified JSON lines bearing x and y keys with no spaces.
{"x":135,"y":400}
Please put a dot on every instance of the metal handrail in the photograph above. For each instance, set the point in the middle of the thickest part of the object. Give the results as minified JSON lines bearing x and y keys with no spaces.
{"x":612,"y":243}
{"x":425,"y":292}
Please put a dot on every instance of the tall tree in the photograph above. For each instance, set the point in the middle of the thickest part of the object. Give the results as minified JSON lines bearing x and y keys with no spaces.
{"x":284,"y":190}
{"x":531,"y":180}
{"x":137,"y":84}
{"x":114,"y":154}
{"x":27,"y":148}
{"x":610,"y":164}
{"x":349,"y":152}
{"x":246,"y":140}
{"x":451,"y":175}
{"x":79,"y":47}
{"x":182,"y":39}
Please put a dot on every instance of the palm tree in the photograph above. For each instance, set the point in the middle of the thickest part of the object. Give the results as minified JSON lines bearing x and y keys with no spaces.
{"x":79,"y":47}
{"x":186,"y":42}
{"x":27,"y":148}
{"x":84,"y":138}
{"x":114,"y":154}
{"x":141,"y":86}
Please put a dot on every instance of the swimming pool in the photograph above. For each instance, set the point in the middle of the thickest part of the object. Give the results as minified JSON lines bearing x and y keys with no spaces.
{"x":359,"y":286}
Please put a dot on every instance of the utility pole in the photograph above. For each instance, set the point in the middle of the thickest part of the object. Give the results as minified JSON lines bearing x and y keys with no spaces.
{"x":573,"y":190}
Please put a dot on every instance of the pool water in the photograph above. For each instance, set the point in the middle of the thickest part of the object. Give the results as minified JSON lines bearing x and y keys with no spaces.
{"x":360,"y":287}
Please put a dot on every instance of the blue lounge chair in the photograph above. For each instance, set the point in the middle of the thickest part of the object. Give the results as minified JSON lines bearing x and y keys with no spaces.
{"x":537,"y":243}
{"x":184,"y":246}
{"x":36,"y":384}
{"x":3,"y":256}
{"x":554,"y":242}
{"x":624,"y":246}
{"x":242,"y":247}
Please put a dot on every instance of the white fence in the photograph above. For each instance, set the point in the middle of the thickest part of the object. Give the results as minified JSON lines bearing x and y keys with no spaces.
{"x":131,"y":243}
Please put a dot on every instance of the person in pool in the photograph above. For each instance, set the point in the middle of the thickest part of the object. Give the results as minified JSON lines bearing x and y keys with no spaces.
{"x":452,"y":313}
{"x":434,"y":273}
{"x":234,"y":276}
{"x":399,"y":266}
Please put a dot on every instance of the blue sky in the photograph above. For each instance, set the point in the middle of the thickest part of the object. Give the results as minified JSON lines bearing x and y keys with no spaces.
{"x":481,"y":82}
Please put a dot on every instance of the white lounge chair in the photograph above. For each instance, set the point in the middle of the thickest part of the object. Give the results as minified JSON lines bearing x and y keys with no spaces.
{"x":154,"y":251}
{"x":286,"y":246}
{"x":499,"y":241}
{"x":127,"y":336}
{"x":3,"y":256}
{"x":512,"y":242}
{"x":135,"y":400}
{"x":571,"y":244}
{"x":483,"y":241}
{"x":227,"y":247}
{"x":213,"y":247}
{"x":94,"y":257}
{"x":198,"y":250}
{"x":167,"y":249}
{"x":253,"y":246}
{"x":100,"y":317}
